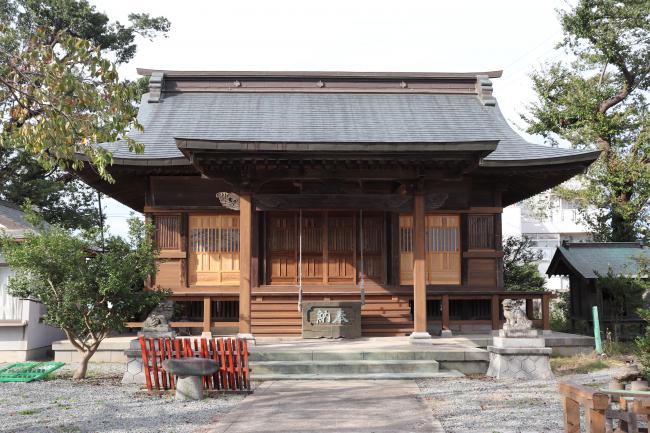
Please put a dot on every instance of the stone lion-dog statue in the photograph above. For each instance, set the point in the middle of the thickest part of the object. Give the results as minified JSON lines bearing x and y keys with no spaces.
{"x":515,"y":315}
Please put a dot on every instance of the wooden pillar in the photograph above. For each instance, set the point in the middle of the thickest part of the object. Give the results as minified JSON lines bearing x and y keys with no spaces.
{"x":207,"y":313}
{"x":495,"y":313}
{"x":546,"y":313}
{"x":529,"y":308}
{"x":445,"y":312}
{"x":419,"y":281}
{"x":245,"y":233}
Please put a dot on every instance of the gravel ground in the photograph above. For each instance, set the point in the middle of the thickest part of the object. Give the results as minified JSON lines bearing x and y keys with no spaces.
{"x":483,"y":404}
{"x":101,"y":404}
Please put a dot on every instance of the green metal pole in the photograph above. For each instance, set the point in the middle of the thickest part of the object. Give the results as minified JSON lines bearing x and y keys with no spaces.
{"x":599,"y":343}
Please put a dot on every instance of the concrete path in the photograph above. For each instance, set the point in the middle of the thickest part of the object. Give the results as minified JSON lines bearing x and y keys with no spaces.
{"x":323,"y":406}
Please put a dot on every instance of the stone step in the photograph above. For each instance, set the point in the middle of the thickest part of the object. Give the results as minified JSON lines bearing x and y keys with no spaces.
{"x":466,"y":354}
{"x":343,"y":367}
{"x":374,"y":376}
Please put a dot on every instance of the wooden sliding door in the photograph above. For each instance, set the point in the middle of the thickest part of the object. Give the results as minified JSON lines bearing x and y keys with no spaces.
{"x":330,"y":247}
{"x":341,"y":247}
{"x":214,"y":249}
{"x":442,"y":246}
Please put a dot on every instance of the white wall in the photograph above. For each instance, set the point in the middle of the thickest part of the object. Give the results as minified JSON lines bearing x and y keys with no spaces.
{"x":29,"y":333}
{"x":10,"y":307}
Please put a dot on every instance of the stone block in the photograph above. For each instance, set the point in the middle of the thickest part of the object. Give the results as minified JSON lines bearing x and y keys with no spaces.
{"x":518,"y":342}
{"x":331,"y":319}
{"x":420,"y":338}
{"x":519,"y":363}
{"x":446,"y":333}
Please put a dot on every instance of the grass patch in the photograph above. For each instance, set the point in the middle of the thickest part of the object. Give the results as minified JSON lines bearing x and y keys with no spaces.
{"x":26,"y":412}
{"x":583,"y":363}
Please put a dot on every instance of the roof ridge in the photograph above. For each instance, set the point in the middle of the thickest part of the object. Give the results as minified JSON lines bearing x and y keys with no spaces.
{"x":633,"y":244}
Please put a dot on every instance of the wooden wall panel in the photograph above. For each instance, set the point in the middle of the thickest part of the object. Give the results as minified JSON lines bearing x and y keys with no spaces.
{"x":214,"y":249}
{"x":382,"y":315}
{"x":169,"y":275}
{"x":482,"y":273}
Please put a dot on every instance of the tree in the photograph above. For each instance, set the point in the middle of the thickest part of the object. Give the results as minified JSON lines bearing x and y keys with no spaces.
{"x":623,"y":294}
{"x":59,"y":197}
{"x":87,"y":292}
{"x":520,"y":270}
{"x":60,"y":95}
{"x":642,"y":343}
{"x":599,"y":100}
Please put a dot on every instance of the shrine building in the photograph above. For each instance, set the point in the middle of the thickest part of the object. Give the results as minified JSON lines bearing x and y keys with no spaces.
{"x":270,"y":189}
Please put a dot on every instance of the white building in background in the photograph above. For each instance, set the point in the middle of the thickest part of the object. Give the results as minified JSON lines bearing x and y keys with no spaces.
{"x":23,"y":336}
{"x":561,"y":222}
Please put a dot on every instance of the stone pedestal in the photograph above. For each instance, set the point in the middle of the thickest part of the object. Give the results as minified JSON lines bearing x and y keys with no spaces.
{"x":189,"y":388}
{"x":420,"y":338}
{"x":519,"y":355}
{"x":134,"y":371}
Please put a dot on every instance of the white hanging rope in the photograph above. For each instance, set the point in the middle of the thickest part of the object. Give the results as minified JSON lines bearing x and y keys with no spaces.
{"x":362,"y":283}
{"x":300,"y":260}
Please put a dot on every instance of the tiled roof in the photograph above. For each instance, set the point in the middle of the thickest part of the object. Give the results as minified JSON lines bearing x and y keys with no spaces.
{"x":303,"y":117}
{"x":592,"y":258}
{"x":12,"y":220}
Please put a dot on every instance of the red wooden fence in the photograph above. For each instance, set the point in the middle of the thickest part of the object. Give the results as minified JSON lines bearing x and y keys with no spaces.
{"x":230,"y":354}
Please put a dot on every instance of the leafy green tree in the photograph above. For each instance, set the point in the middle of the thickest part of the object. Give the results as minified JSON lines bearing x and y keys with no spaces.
{"x":60,"y":95}
{"x":86,"y":291}
{"x":599,"y":100}
{"x":642,"y":343}
{"x":520,"y":270}
{"x":622,"y":295}
{"x":59,"y":197}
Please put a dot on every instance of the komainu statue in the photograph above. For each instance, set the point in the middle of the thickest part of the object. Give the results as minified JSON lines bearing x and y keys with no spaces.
{"x":159,"y":320}
{"x":515,"y":314}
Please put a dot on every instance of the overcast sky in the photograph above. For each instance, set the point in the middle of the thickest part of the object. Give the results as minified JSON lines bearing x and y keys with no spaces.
{"x":516,"y":36}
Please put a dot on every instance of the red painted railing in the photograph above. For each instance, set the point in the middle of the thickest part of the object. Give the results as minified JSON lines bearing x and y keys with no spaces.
{"x":230,"y":354}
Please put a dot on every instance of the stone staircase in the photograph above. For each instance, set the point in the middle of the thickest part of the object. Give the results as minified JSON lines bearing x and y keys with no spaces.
{"x":279,"y":365}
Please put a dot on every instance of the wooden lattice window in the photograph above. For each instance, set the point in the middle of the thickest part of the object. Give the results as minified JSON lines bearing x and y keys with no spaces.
{"x":168,"y":232}
{"x":214,"y":250}
{"x":442,"y":249}
{"x":480,"y":231}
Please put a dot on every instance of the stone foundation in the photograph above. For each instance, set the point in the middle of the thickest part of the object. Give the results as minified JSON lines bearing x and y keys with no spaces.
{"x":519,"y":358}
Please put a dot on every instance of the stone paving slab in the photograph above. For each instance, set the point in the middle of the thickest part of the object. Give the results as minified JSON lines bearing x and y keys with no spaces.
{"x":361,"y":406}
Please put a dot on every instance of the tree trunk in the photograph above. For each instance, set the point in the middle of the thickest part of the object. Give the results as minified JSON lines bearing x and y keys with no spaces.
{"x":80,"y":373}
{"x":622,"y":229}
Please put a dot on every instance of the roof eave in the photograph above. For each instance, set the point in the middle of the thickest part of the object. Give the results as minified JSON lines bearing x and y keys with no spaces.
{"x":190,"y":144}
{"x":587,"y":158}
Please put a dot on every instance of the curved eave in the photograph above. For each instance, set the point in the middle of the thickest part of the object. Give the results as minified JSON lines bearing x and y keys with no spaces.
{"x":587,"y":158}
{"x":132,"y":177}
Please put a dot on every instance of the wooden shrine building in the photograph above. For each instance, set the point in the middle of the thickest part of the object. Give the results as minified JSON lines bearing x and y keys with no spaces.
{"x":583,"y":263}
{"x":382,"y":186}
